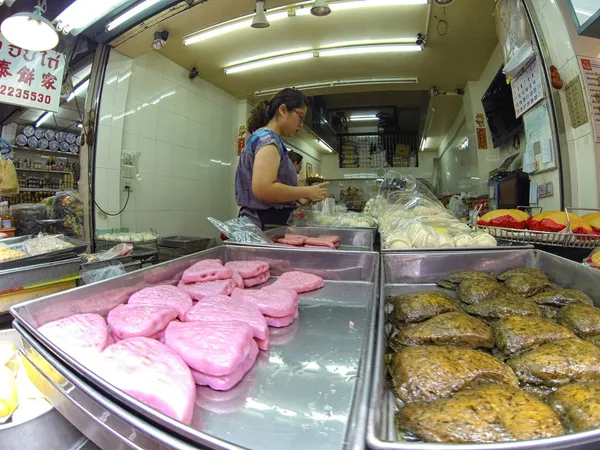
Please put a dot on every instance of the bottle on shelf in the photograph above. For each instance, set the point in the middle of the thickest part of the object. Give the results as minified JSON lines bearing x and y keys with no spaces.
{"x":6,"y":217}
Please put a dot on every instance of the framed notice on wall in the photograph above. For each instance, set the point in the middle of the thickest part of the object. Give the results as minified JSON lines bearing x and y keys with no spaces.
{"x":590,"y":68}
{"x":527,"y":88}
{"x":30,"y":79}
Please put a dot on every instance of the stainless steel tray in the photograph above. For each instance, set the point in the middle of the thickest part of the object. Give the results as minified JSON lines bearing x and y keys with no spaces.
{"x":420,"y":271}
{"x":502,"y":245}
{"x":308,"y":391}
{"x":351,"y":239}
{"x":38,"y":274}
{"x":78,"y":248}
{"x":47,"y":431}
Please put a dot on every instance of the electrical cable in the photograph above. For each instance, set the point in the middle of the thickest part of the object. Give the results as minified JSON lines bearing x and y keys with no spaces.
{"x":109,"y":214}
{"x":445,"y":27}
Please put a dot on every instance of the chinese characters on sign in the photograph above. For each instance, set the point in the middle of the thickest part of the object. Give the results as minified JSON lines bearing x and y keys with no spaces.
{"x":591,"y":78}
{"x":31,"y":79}
{"x":481,"y":132}
{"x":527,"y":89}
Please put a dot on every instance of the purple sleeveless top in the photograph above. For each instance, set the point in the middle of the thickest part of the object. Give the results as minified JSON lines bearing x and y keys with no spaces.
{"x":243,"y":177}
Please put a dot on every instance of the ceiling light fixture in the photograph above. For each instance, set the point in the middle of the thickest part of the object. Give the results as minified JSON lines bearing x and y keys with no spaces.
{"x":270,"y":55}
{"x":424,"y":143}
{"x":160,"y":39}
{"x":370,"y":49}
{"x":43,"y":119}
{"x":294,"y":10}
{"x":341,"y":83}
{"x":30,"y":31}
{"x":260,"y":20}
{"x":130,"y":13}
{"x":82,"y":13}
{"x":78,"y":89}
{"x":320,"y":8}
{"x":290,"y":55}
{"x":370,"y":117}
{"x":325,"y":146}
{"x":269,"y":62}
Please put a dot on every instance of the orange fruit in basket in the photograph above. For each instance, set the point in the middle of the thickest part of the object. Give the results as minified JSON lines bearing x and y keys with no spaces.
{"x":556,"y":221}
{"x":505,"y":218}
{"x":594,"y":220}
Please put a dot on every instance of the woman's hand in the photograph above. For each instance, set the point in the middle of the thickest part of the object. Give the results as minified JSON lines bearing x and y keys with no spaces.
{"x":317,"y":192}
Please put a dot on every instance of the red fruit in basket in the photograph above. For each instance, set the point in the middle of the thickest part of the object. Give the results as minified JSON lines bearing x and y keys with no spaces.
{"x":505,"y":218}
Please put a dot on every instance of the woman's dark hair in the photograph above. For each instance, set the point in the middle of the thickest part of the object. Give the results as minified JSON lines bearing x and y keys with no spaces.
{"x":266,"y":110}
{"x":295,"y":157}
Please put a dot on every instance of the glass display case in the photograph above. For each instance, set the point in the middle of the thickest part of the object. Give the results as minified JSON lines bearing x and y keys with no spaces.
{"x":586,"y":14}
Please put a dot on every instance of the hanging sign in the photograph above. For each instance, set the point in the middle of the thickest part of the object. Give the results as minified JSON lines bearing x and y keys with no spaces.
{"x":241,"y":139}
{"x":481,"y":132}
{"x":29,"y":78}
{"x":591,"y":78}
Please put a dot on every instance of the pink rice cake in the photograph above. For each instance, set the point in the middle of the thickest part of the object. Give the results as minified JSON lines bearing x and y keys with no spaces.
{"x":206,"y":270}
{"x":248,"y":269}
{"x":270,"y":302}
{"x":298,"y":281}
{"x":294,"y":241}
{"x":82,"y":336}
{"x":334,"y":239}
{"x":164,"y":295}
{"x":226,"y":382}
{"x":280,"y":322}
{"x":213,"y":348}
{"x":320,"y":242}
{"x":153,"y":374}
{"x":237,"y":278}
{"x":198,"y":291}
{"x":262,"y":278}
{"x":128,"y":321}
{"x":218,"y":308}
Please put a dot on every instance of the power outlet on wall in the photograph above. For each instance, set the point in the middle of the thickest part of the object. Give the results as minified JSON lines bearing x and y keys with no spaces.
{"x":127,"y":185}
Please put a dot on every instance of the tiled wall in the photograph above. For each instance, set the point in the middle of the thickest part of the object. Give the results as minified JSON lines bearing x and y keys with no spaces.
{"x":186,"y":132}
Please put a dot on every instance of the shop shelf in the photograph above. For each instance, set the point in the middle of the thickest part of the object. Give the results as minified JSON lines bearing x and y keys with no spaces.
{"x":19,"y":169}
{"x":39,"y":150}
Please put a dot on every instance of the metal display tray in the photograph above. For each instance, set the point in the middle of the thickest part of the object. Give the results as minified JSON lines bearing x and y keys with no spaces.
{"x":420,"y":271}
{"x":351,"y":239}
{"x":38,"y":274}
{"x":502,"y":245}
{"x":78,"y":248}
{"x":308,"y":391}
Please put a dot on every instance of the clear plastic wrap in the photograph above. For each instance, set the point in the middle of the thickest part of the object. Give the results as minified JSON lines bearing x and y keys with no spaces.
{"x":241,"y":230}
{"x":26,"y":216}
{"x":67,"y":205}
{"x":410,"y":216}
{"x":123,"y":249}
{"x":90,"y":276}
{"x":44,"y":244}
{"x":339,"y":219}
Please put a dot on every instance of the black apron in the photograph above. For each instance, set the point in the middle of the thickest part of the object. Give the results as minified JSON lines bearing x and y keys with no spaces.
{"x":268,"y":219}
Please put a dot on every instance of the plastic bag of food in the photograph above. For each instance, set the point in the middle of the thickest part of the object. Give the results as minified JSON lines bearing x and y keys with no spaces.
{"x":8,"y":177}
{"x":241,"y":230}
{"x":102,"y":273}
{"x":44,"y":244}
{"x":123,"y":249}
{"x":68,"y":206}
{"x":26,"y":216}
{"x":593,"y":259}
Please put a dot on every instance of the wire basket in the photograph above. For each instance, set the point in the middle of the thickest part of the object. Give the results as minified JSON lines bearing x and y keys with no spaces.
{"x":143,"y":245}
{"x":565,"y":238}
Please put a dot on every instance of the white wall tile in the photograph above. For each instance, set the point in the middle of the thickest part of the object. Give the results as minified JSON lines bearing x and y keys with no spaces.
{"x":136,"y":81}
{"x":113,"y":180}
{"x":147,"y":148}
{"x":148,"y":121}
{"x":179,"y":130}
{"x":181,"y":102}
{"x":193,"y":136}
{"x":129,"y":142}
{"x":556,"y":34}
{"x":145,"y":220}
{"x":163,"y":159}
{"x":169,"y":93}
{"x":144,"y":199}
{"x":132,"y":116}
{"x":103,"y":146}
{"x":119,"y":109}
{"x":116,"y":142}
{"x":164,"y":131}
{"x":178,"y":162}
{"x":152,"y":86}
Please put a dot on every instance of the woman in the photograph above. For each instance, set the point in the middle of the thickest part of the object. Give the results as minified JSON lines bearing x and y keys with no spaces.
{"x":266,"y":183}
{"x":296,"y":158}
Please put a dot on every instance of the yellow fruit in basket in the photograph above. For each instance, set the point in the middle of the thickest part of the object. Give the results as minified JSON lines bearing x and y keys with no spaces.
{"x":505,"y":218}
{"x":44,"y":367}
{"x":594,"y":220}
{"x":7,"y":350}
{"x":596,"y":259}
{"x":9,"y":398}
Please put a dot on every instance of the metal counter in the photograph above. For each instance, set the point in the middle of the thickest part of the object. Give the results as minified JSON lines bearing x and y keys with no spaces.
{"x":42,"y":273}
{"x":351,"y":239}
{"x":402,"y":273}
{"x":307,"y":391}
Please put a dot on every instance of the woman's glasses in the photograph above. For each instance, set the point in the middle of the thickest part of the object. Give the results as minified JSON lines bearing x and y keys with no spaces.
{"x":300,"y":115}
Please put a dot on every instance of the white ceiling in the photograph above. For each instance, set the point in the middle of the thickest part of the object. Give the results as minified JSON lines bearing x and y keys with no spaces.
{"x":448,"y":61}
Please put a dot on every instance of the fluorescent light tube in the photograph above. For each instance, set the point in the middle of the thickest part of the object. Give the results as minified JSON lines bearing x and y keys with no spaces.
{"x":269,"y":62}
{"x":270,"y":55}
{"x":82,"y":13}
{"x":42,"y":119}
{"x":130,"y":13}
{"x":406,"y":40}
{"x":363,"y":118}
{"x":325,"y":146}
{"x":299,"y":9}
{"x":78,"y":90}
{"x":424,"y":143}
{"x":367,"y":49}
{"x":340,"y":6}
{"x":337,"y":83}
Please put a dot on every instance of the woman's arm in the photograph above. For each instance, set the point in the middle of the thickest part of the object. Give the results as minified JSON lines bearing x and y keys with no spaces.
{"x":264,"y":179}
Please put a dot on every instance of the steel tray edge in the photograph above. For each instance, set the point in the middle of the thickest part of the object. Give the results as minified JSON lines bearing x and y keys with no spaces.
{"x":588,"y":440}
